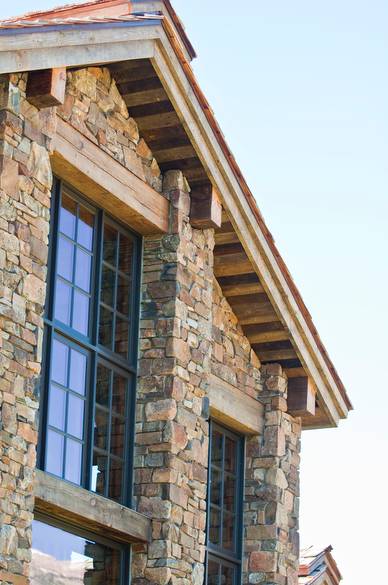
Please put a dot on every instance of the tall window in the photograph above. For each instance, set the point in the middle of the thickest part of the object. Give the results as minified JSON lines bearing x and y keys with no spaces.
{"x":90,"y":348}
{"x":225,"y":500}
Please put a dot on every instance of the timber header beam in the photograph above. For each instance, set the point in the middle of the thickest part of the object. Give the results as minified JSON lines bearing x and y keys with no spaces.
{"x":89,"y":169}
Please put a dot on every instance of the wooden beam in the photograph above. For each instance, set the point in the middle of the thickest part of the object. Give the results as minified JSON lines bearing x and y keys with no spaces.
{"x":226,"y":238}
{"x":84,"y":509}
{"x":46,"y":88}
{"x":245,"y":288}
{"x":174,"y":154}
{"x":295,"y":372}
{"x":232,"y":264}
{"x":232,"y":407}
{"x":164,"y":120}
{"x":268,"y":336}
{"x":99,"y":176}
{"x":301,"y":397}
{"x":206,"y":208}
{"x":144,"y":97}
{"x":276,"y":355}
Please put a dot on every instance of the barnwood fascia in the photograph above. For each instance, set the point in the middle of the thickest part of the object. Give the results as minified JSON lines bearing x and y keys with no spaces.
{"x":69,"y":48}
{"x":84,"y":509}
{"x":232,"y":407}
{"x":91,"y":170}
{"x":178,"y":87}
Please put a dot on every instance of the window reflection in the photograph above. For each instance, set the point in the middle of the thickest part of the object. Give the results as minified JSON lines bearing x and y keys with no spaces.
{"x":62,"y":558}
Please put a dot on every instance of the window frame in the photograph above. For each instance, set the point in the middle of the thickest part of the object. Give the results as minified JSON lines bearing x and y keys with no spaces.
{"x":90,"y":343}
{"x":218,"y":553}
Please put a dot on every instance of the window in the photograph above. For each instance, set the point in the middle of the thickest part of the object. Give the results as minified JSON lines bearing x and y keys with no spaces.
{"x":225,"y":500}
{"x":90,"y":348}
{"x":59,"y":556}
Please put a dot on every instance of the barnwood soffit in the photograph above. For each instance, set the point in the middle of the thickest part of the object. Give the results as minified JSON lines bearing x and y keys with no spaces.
{"x":84,"y":509}
{"x":183,"y":133}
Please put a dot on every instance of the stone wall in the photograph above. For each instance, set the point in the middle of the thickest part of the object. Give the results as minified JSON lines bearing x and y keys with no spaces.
{"x":172,"y":427}
{"x":271,"y":537}
{"x":95,"y":107}
{"x":25,"y":183}
{"x":233,"y":359}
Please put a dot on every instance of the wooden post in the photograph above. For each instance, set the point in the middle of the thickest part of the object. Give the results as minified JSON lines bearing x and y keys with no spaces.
{"x":206,"y":208}
{"x":46,"y":88}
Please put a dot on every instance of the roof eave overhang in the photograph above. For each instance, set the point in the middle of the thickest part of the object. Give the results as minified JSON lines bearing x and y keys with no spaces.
{"x":86,"y":45}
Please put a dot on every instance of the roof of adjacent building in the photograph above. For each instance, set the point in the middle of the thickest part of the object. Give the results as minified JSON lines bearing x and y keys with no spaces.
{"x":122,"y":12}
{"x":316,"y":565}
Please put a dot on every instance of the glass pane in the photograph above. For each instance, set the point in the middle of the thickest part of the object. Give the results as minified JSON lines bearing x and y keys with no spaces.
{"x":62,"y":302}
{"x":216,"y":448}
{"x":230,"y":454}
{"x":99,"y":471}
{"x":228,"y":531}
{"x":54,"y":453}
{"x":123,"y":295}
{"x":121,"y":337}
{"x":77,"y":371}
{"x":101,"y":429}
{"x":65,"y":258}
{"x":73,"y":466}
{"x":62,"y":558}
{"x":215,"y":492}
{"x":213,"y":570}
{"x":229,"y":493}
{"x":85,"y":228}
{"x":117,"y":436}
{"x":103,"y":385}
{"x":82,"y":269}
{"x":108,"y":286}
{"x":227,"y":575}
{"x":125,"y":254}
{"x":215,"y":526}
{"x":106,"y":327}
{"x":59,"y":362}
{"x":75,"y":416}
{"x":57,"y":407}
{"x":80,"y":312}
{"x":115,"y":479}
{"x":67,"y":216}
{"x":119,"y":394}
{"x":110,"y":244}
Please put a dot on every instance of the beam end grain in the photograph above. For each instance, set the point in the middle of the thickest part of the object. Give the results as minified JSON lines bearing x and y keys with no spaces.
{"x":83,"y":509}
{"x":206,"y":208}
{"x":301,"y":397}
{"x":234,"y":408}
{"x":46,"y":88}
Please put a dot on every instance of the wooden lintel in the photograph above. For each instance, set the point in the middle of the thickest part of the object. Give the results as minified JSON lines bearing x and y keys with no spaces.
{"x":301,"y":397}
{"x":99,"y":176}
{"x":232,"y":407}
{"x":87,"y":510}
{"x":206,"y":208}
{"x":46,"y":88}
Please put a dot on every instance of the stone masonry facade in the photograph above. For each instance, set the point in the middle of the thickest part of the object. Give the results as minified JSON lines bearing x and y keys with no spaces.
{"x":187,"y":332}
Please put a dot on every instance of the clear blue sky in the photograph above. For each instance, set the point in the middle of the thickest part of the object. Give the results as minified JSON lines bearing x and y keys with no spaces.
{"x":301,"y":91}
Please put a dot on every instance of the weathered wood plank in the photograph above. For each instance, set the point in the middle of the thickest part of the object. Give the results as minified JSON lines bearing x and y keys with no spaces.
{"x":276,"y":355}
{"x":166,"y":120}
{"x":301,"y":397}
{"x":232,"y":407}
{"x":232,"y":264}
{"x":84,"y":509}
{"x":144,"y":97}
{"x":174,"y":154}
{"x":268,"y":336}
{"x":92,"y":171}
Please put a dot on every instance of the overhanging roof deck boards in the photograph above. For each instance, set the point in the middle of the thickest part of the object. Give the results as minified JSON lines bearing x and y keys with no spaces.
{"x":187,"y":136}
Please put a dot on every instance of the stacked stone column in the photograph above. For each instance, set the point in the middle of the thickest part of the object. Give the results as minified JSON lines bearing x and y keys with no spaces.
{"x":171,"y":455}
{"x":272,"y":490}
{"x":25,"y":182}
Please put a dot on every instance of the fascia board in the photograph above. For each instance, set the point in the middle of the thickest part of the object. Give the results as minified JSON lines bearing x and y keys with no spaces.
{"x":193,"y":118}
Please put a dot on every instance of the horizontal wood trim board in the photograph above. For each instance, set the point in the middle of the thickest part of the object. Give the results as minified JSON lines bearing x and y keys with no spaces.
{"x":100,"y":177}
{"x":87,"y":510}
{"x":234,"y":408}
